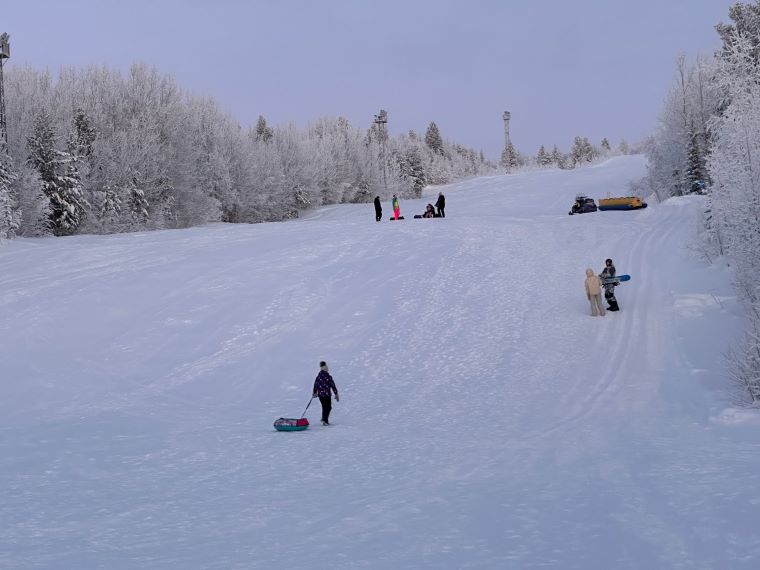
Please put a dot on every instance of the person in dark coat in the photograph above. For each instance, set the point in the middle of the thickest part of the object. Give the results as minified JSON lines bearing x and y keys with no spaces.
{"x":609,"y":288}
{"x":378,"y":209}
{"x":323,"y":385}
{"x":441,"y":205}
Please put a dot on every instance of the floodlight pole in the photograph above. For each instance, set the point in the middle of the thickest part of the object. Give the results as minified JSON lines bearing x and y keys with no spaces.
{"x":5,"y":53}
{"x":381,"y":121}
{"x":506,"y":116}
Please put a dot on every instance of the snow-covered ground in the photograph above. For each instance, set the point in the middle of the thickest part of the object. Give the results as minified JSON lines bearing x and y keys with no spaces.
{"x":486,"y":419}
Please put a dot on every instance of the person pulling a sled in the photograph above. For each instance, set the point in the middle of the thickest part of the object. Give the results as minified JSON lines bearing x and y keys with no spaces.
{"x":323,"y":385}
{"x":441,"y":205}
{"x":609,"y":288}
{"x":594,"y":293}
{"x":378,"y":209}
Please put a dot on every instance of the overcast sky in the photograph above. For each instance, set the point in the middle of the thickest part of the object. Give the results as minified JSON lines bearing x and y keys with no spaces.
{"x":595,"y":68}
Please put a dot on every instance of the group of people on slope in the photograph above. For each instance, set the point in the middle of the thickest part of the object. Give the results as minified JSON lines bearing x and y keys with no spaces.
{"x":594,"y":285}
{"x":430,"y":210}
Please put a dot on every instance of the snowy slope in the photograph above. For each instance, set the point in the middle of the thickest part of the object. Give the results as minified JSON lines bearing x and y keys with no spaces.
{"x":486,"y":420}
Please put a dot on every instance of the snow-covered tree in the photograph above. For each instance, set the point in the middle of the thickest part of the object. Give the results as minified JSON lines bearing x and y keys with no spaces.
{"x":583,"y":151}
{"x":60,"y":176}
{"x":138,"y":203}
{"x":433,"y":138}
{"x":543,"y":158}
{"x":9,"y":214}
{"x":263,"y":132}
{"x":510,"y":158}
{"x":109,"y":211}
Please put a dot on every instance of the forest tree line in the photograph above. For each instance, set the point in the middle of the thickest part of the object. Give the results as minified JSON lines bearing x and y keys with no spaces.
{"x":98,"y":151}
{"x":708,"y":142}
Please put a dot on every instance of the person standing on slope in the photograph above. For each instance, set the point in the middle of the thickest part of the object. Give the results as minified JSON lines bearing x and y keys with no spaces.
{"x":594,"y":293}
{"x":396,"y":207}
{"x":323,"y":385}
{"x":378,"y":209}
{"x":441,"y":205}
{"x":609,"y":288}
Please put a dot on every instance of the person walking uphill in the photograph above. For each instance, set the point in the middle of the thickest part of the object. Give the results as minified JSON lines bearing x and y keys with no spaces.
{"x":378,"y":209}
{"x":323,"y":384}
{"x":594,"y":293}
{"x":441,"y":205}
{"x":609,"y":288}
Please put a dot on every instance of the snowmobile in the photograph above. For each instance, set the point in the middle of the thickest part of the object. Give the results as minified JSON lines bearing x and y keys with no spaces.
{"x":583,"y":205}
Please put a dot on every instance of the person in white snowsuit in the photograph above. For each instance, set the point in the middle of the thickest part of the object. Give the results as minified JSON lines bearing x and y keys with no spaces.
{"x":594,"y":293}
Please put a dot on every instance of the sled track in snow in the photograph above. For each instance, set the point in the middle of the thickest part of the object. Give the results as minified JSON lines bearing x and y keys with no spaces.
{"x":631,"y":330}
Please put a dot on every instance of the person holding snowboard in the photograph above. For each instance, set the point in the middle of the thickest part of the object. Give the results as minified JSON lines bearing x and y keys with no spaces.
{"x":594,"y":293}
{"x":323,"y":385}
{"x":609,"y":288}
{"x":441,"y":205}
{"x":396,"y":207}
{"x":378,"y":209}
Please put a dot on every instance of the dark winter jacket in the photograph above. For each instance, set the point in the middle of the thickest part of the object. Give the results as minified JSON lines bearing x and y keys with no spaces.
{"x":323,"y":384}
{"x":608,"y":272}
{"x":441,"y":203}
{"x":378,"y":207}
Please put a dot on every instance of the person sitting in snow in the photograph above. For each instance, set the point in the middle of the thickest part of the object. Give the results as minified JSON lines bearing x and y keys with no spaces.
{"x":429,"y":211}
{"x":323,"y":385}
{"x":593,"y":286}
{"x":609,"y":288}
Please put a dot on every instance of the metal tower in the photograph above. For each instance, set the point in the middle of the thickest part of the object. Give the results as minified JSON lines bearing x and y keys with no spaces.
{"x":5,"y":53}
{"x":381,"y":122}
{"x":506,"y":117}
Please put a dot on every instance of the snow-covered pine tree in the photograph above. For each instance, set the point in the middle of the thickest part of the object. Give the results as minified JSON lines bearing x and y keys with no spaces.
{"x":433,"y":138}
{"x":263,"y":132}
{"x":542,"y":158}
{"x":110,"y":207}
{"x":138,"y":204}
{"x":59,"y":173}
{"x":695,"y":166}
{"x":412,"y":169}
{"x":69,"y":203}
{"x":9,"y":214}
{"x":509,"y":157}
{"x":84,"y":133}
{"x":558,"y":159}
{"x":606,"y":148}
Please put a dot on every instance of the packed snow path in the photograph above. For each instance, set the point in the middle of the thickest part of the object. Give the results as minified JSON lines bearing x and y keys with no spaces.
{"x":486,"y":419}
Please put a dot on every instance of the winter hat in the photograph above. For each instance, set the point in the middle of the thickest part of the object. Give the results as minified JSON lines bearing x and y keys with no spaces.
{"x":323,"y":366}
{"x":589,"y":272}
{"x":608,"y":261}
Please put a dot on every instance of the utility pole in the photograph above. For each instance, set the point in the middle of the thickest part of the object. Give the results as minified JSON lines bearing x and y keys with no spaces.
{"x":381,"y":122}
{"x":507,"y":152}
{"x":5,"y":53}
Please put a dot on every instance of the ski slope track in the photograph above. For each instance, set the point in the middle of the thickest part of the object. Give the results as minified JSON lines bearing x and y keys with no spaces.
{"x":486,"y":419}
